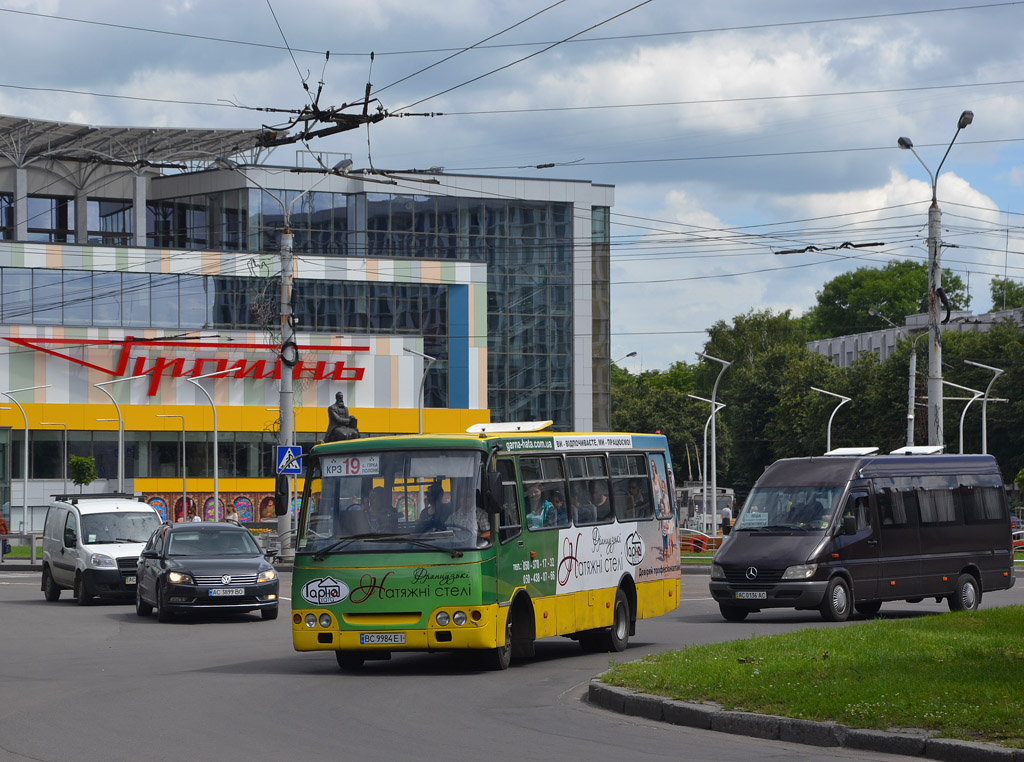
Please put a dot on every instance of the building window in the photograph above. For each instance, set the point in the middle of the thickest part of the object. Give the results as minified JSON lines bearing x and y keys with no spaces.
{"x":109,"y":222}
{"x":6,"y":217}
{"x":51,"y":219}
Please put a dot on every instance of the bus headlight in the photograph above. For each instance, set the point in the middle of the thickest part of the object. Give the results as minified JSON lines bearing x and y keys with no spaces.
{"x":717,"y":572}
{"x":325,"y":620}
{"x":442,"y":618}
{"x":800,"y":571}
{"x":311,"y":621}
{"x":459,"y":617}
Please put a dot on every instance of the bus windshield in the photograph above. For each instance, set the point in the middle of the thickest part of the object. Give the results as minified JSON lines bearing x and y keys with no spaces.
{"x":391,"y":501}
{"x":789,"y":508}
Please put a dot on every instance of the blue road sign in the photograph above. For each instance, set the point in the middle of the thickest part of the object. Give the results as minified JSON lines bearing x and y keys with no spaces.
{"x":289,"y":459}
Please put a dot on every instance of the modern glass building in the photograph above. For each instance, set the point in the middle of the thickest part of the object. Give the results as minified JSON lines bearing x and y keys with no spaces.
{"x":129,"y":260}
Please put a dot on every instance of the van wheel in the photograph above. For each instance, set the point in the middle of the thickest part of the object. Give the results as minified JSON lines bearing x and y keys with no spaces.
{"x":83,"y":597}
{"x":966,"y":595}
{"x":835,"y":606}
{"x":50,"y":589}
{"x":732,"y":613}
{"x":142,"y":608}
{"x":868,"y":608}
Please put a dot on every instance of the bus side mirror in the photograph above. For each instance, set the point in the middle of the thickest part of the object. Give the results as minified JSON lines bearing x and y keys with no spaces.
{"x":849,"y":525}
{"x":282,"y":493}
{"x":495,"y":489}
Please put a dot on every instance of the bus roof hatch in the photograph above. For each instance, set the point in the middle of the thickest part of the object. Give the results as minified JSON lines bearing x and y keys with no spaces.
{"x":508,"y":427}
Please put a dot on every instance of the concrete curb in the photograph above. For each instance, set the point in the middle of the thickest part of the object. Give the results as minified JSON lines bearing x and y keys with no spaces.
{"x":710,"y":716}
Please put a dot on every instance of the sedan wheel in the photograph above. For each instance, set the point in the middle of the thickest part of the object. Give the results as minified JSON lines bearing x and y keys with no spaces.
{"x":142,"y":608}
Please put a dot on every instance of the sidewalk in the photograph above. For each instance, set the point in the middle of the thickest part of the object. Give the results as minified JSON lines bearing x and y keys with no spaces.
{"x":709,"y":716}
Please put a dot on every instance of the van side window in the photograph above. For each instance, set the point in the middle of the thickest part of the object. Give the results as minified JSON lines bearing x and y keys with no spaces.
{"x":983,"y":500}
{"x":895,"y":506}
{"x":857,"y":506}
{"x":70,"y":531}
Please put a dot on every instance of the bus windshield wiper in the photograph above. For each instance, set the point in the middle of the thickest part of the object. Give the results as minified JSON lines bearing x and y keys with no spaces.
{"x":417,"y":540}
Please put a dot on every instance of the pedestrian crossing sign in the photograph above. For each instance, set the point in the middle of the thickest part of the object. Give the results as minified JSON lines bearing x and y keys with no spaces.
{"x":289,"y":459}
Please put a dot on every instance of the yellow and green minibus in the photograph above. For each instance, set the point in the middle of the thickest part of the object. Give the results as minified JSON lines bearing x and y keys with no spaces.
{"x":483,"y":542}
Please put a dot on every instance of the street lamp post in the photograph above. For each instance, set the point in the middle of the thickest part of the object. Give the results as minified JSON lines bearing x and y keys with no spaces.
{"x":65,"y":471}
{"x":984,"y":403}
{"x":184,"y":478}
{"x":844,"y":400}
{"x":935,"y":423}
{"x":912,"y":387}
{"x":714,"y":449}
{"x":715,"y":407}
{"x":423,"y":380}
{"x":975,"y":395}
{"x":624,"y":357}
{"x":24,"y":460}
{"x":102,"y":386}
{"x":216,"y":475}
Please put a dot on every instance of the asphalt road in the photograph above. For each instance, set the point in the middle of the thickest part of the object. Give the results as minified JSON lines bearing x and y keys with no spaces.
{"x":98,"y":683}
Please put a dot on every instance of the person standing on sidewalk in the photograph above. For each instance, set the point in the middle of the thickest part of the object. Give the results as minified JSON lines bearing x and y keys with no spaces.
{"x":5,"y":547}
{"x":726,"y":519}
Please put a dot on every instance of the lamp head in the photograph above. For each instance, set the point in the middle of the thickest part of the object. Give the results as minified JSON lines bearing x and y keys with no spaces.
{"x":873,"y":312}
{"x":905,"y":143}
{"x":222,"y":162}
{"x":343,"y":166}
{"x":965,"y":119}
{"x":631,"y":354}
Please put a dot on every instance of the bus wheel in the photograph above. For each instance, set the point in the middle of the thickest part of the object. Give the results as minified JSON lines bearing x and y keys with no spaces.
{"x":835,"y":606}
{"x":349,"y":660}
{"x":501,"y":656}
{"x":732,"y":613}
{"x":50,"y":590}
{"x":868,"y":608}
{"x":618,"y":633}
{"x":966,"y":595}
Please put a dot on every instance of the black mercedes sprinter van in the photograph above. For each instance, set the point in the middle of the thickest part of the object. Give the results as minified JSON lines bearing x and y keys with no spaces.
{"x":842,"y":532}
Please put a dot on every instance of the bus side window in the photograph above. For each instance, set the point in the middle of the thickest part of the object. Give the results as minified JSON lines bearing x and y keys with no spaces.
{"x":510,"y":523}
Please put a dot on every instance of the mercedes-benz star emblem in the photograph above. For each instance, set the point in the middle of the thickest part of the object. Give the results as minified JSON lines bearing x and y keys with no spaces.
{"x":751,"y":572}
{"x":226,"y":579}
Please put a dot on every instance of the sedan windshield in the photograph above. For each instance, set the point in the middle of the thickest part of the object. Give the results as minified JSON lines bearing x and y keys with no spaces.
{"x":789,"y":508}
{"x":415,"y":500}
{"x":227,"y":542}
{"x":100,"y":528}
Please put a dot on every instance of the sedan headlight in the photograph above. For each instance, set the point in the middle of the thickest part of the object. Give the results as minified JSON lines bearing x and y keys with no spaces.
{"x":180,"y":578}
{"x":101,"y":561}
{"x":800,"y":571}
{"x":717,"y":572}
{"x":267,"y":576}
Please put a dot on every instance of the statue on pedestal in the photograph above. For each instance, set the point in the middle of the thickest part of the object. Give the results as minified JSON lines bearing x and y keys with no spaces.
{"x":341,"y":426}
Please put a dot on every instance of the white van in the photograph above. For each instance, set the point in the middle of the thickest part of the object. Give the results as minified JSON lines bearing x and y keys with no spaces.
{"x":91,"y":545}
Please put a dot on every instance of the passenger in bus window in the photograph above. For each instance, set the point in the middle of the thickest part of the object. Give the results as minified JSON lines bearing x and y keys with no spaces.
{"x":602,"y":505}
{"x":435,"y":516}
{"x":641,"y":505}
{"x":583,"y":511}
{"x":383,"y":517}
{"x":537,"y":507}
{"x":556,"y":515}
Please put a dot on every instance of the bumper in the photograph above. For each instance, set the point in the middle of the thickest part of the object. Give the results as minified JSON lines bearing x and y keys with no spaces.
{"x":793,"y":595}
{"x":178,"y":599}
{"x":109,"y":583}
{"x":427,"y":635}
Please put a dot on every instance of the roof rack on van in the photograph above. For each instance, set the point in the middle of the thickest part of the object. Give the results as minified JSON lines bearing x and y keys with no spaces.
{"x":508,"y":427}
{"x":853,"y":451}
{"x":75,"y":497}
{"x":918,"y":450}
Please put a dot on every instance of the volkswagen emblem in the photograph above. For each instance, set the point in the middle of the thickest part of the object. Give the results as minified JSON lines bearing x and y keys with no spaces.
{"x":751,"y":572}
{"x":226,"y":579}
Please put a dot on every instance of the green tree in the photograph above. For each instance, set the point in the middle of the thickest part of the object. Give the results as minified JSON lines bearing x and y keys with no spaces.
{"x":896,"y":290}
{"x":1006,"y":294}
{"x":83,"y":471}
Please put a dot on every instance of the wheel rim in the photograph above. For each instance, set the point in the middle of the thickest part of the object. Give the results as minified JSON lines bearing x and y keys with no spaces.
{"x":969,"y":596}
{"x":840,"y":600}
{"x":507,"y":648}
{"x":620,"y":621}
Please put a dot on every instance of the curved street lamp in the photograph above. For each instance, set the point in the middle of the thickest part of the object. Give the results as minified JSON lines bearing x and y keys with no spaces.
{"x":935,"y":427}
{"x":984,"y":403}
{"x":216,"y":475}
{"x":423,"y":380}
{"x":714,"y":449}
{"x":715,"y":407}
{"x":828,"y":436}
{"x":912,"y":391}
{"x":24,"y":461}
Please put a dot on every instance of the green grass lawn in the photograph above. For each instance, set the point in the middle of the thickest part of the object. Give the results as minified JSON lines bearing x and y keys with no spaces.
{"x":961,"y":674}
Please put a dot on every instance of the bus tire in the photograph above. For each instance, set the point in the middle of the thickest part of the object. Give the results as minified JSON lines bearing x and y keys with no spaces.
{"x":617,"y":637}
{"x":868,"y":608}
{"x":80,"y":594}
{"x":501,"y":657}
{"x":732,"y":613}
{"x":51,"y":591}
{"x":835,"y":606}
{"x":349,"y":661}
{"x":966,"y":595}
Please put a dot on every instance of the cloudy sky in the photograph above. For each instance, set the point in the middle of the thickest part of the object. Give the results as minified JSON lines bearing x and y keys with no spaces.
{"x":731,"y":130}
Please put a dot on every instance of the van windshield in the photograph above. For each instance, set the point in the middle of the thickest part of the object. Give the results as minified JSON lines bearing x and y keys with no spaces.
{"x":789,"y":508}
{"x":102,"y":528}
